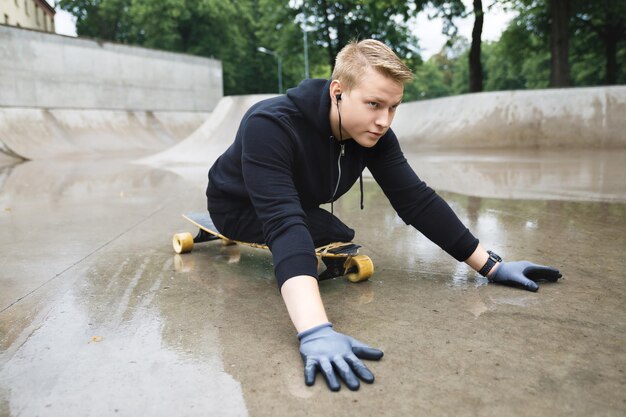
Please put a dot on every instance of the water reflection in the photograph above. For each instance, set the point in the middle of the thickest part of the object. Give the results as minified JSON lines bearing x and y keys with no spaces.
{"x":117,"y":342}
{"x":563,"y":174}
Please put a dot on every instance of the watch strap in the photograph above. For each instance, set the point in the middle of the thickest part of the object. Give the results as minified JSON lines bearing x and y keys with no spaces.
{"x":491,"y":261}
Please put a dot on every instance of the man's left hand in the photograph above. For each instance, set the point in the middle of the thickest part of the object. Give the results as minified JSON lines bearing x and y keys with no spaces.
{"x":524,"y":274}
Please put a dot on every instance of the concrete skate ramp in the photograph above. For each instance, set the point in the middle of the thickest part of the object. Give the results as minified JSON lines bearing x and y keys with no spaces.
{"x":572,"y":118}
{"x":33,"y":133}
{"x":212,"y":138}
{"x":575,"y":117}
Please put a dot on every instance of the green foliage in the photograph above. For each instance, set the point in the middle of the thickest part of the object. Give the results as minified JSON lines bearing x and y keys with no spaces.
{"x":231,"y":31}
{"x":334,"y":24}
{"x":429,"y":82}
{"x":212,"y":28}
{"x":444,"y":74}
{"x":277,"y":29}
{"x":519,"y":60}
{"x":599,"y":31}
{"x":106,"y":19}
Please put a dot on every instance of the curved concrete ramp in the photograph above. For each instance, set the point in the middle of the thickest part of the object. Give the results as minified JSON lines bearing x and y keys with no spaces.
{"x":6,"y":154}
{"x":574,"y":117}
{"x":31,"y":133}
{"x":212,"y":138}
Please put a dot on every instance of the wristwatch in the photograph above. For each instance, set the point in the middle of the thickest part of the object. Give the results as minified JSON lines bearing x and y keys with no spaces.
{"x":491,"y":261}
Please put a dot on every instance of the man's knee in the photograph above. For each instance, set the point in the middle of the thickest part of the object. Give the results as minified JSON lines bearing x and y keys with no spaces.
{"x":326,"y":227}
{"x":241,"y":226}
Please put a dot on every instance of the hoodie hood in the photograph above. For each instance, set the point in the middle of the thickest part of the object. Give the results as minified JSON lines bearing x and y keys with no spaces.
{"x":312,"y":98}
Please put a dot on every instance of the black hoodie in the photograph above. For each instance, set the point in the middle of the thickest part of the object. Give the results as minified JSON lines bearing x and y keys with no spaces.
{"x":284,"y":159}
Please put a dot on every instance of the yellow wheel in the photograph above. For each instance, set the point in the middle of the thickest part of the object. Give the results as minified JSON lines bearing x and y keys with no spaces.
{"x":182,"y":242}
{"x":359,"y":268}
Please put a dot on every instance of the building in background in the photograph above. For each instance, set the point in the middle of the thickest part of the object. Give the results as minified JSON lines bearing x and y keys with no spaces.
{"x":30,"y":14}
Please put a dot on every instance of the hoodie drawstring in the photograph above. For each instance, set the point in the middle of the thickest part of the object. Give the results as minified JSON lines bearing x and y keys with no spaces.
{"x":361,"y":187}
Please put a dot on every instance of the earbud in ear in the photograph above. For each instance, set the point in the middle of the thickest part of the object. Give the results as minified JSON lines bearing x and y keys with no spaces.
{"x":338,"y":97}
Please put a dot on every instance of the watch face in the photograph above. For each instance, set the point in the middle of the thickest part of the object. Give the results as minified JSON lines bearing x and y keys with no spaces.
{"x":494,"y":256}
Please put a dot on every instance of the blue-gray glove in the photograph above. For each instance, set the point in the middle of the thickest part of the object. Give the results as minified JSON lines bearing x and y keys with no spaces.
{"x":524,"y":274}
{"x":328,"y":351}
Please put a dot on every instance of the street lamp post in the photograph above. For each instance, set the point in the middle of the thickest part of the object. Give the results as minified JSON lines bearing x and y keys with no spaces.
{"x":280,"y":66}
{"x":306,"y":55}
{"x":306,"y":43}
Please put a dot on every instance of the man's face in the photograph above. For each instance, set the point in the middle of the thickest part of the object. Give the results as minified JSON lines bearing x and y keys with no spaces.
{"x":368,"y":109}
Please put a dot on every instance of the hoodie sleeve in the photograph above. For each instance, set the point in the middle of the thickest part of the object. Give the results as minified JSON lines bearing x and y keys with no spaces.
{"x":415,"y":202}
{"x":267,"y":165}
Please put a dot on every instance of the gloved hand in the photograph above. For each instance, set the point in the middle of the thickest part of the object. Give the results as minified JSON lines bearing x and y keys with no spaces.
{"x":327,"y":350}
{"x":524,"y":274}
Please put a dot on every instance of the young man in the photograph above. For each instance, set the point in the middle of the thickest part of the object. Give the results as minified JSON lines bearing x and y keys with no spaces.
{"x":295,"y":152}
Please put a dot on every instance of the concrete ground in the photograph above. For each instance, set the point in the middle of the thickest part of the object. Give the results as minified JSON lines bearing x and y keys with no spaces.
{"x":98,"y":316}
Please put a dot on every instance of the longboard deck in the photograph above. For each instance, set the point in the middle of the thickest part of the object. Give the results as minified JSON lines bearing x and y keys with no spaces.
{"x":341,"y":258}
{"x":204,"y":222}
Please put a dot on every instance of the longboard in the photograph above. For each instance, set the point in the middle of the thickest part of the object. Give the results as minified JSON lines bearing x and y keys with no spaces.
{"x":339,"y":258}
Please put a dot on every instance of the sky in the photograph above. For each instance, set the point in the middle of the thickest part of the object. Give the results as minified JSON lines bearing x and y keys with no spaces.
{"x":427,"y":31}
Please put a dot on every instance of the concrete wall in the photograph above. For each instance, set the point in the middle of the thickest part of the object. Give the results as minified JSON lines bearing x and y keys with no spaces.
{"x":53,"y":71}
{"x":592,"y":117}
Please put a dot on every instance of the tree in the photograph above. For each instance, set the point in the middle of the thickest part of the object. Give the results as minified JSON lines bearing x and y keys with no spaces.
{"x":475,"y":65}
{"x":211,"y":28}
{"x":104,"y":19}
{"x":429,"y":82}
{"x":444,"y":74}
{"x":550,"y":21}
{"x":279,"y":28}
{"x":335,"y":23}
{"x":605,"y":19}
{"x":559,"y":43}
{"x":595,"y":39}
{"x":232,"y":32}
{"x":450,"y":10}
{"x":518,"y":60}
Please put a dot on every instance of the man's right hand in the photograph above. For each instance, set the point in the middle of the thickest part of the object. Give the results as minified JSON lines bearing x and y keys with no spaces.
{"x":329,"y":351}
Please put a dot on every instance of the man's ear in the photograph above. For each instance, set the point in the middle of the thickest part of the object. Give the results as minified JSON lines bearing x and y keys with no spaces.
{"x":335,"y":91}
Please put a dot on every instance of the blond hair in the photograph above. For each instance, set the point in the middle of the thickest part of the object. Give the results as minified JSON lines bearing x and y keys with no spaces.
{"x":356,"y":58}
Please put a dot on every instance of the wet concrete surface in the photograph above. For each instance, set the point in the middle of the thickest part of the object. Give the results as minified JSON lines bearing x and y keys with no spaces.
{"x":99,"y":317}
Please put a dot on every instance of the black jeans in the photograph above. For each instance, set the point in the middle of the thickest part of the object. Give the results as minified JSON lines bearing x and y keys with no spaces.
{"x":245,"y":226}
